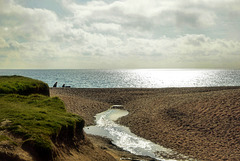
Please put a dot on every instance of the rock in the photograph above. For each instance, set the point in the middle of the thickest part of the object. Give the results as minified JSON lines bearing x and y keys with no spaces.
{"x":117,"y":107}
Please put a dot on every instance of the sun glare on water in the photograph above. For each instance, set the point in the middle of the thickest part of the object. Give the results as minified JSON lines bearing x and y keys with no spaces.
{"x":171,"y":77}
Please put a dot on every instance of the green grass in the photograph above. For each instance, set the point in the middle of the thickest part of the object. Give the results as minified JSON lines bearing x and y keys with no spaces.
{"x":36,"y":118}
{"x":3,"y":137}
{"x":6,"y":138}
{"x":22,"y":85}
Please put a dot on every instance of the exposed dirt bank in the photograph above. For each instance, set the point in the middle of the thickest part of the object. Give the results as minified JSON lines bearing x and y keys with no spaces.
{"x":199,"y":122}
{"x":82,"y":150}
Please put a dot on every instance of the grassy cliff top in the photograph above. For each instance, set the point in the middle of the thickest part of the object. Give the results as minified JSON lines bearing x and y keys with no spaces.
{"x":39,"y":120}
{"x":35,"y":116}
{"x":22,"y":85}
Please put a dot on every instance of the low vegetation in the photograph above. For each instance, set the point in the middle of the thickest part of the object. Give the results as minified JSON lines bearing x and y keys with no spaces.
{"x":37,"y":119}
{"x":22,"y":85}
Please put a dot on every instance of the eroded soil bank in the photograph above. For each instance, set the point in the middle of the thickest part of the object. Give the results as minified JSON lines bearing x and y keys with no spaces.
{"x":200,"y":122}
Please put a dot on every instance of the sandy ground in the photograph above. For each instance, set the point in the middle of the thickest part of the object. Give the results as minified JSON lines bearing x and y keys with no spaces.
{"x":203,"y":123}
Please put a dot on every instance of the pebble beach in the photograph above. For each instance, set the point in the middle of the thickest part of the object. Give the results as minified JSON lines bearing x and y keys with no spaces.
{"x":203,"y":123}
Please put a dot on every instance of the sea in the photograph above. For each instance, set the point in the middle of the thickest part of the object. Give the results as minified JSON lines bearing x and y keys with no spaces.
{"x":131,"y":78}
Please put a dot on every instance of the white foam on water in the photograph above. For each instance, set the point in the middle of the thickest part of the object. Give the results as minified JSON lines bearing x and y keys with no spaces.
{"x":122,"y":137}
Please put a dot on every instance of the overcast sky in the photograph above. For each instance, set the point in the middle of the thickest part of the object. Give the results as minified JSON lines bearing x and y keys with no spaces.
{"x":119,"y":34}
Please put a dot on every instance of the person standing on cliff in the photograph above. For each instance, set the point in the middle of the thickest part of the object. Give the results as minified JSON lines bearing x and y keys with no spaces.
{"x":55,"y":84}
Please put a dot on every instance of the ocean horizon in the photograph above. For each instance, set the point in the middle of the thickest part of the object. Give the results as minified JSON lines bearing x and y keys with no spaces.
{"x":131,"y":78}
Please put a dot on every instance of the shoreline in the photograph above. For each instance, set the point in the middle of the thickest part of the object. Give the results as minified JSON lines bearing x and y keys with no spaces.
{"x":193,"y":121}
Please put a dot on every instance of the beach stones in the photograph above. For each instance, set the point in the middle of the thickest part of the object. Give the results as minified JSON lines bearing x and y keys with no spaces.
{"x":117,"y":107}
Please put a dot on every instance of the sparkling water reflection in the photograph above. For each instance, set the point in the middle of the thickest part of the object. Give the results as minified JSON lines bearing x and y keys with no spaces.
{"x":139,"y":78}
{"x":122,"y":137}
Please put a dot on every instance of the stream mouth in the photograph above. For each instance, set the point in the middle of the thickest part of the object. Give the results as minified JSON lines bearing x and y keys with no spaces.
{"x":122,"y":137}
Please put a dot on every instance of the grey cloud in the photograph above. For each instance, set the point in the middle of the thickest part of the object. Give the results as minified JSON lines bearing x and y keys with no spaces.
{"x":196,"y":40}
{"x":116,"y":31}
{"x":3,"y":43}
{"x":27,"y":23}
{"x":176,"y":15}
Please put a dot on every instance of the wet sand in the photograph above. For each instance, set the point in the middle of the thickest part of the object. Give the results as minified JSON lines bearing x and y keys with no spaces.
{"x":203,"y":123}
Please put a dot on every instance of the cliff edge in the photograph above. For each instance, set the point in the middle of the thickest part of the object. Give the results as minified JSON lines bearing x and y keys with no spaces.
{"x":34,"y":126}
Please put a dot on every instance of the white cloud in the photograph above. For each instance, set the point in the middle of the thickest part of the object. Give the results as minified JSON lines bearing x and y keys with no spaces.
{"x":142,"y":14}
{"x":105,"y":27}
{"x":120,"y":34}
{"x":27,"y":23}
{"x":3,"y":43}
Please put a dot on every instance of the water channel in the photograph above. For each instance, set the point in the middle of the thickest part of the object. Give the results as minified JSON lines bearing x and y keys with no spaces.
{"x":122,"y":137}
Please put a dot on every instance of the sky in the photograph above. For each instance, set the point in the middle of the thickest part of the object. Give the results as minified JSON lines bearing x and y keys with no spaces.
{"x":119,"y":34}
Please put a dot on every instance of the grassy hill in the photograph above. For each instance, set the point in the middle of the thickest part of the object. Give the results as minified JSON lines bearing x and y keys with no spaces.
{"x":22,"y":85}
{"x":32,"y":124}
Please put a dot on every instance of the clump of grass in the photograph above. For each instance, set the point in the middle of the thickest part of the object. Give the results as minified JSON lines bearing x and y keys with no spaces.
{"x":3,"y":138}
{"x":22,"y":85}
{"x":6,"y":138}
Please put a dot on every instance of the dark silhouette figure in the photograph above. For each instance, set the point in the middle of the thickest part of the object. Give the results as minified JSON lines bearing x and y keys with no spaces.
{"x":63,"y":85}
{"x":55,"y":84}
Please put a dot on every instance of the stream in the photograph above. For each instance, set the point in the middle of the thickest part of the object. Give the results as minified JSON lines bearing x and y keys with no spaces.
{"x":122,"y":137}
